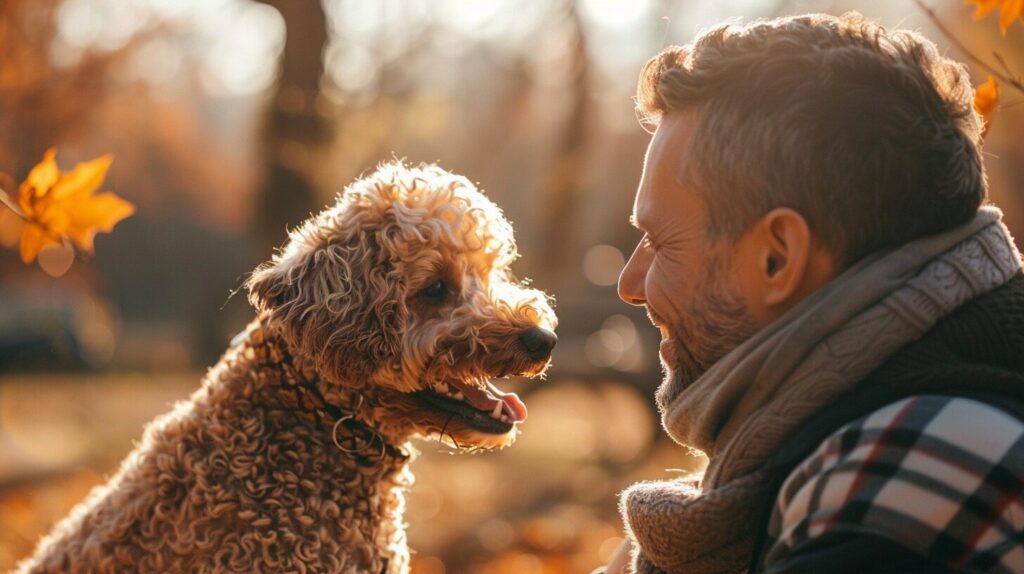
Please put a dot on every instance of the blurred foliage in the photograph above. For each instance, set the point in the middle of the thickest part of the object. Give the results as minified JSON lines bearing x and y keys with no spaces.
{"x":986,"y":98}
{"x":232,"y":119}
{"x":55,"y":207}
{"x":1009,"y":11}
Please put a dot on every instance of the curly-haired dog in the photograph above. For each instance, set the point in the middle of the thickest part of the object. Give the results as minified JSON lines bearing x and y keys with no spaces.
{"x":382,"y":319}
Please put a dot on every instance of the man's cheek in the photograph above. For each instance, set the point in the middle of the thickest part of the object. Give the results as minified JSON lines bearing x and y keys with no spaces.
{"x":665,"y":299}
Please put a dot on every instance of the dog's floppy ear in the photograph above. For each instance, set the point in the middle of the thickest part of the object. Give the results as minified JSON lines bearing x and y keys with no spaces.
{"x":266,"y":287}
{"x":336,"y":303}
{"x":275,"y":283}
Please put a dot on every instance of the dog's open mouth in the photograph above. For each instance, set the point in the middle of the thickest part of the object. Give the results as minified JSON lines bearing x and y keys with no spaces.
{"x":483,"y":408}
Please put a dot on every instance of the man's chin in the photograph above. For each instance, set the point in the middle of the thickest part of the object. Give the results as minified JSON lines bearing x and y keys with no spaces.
{"x":671,"y":387}
{"x":678,"y":376}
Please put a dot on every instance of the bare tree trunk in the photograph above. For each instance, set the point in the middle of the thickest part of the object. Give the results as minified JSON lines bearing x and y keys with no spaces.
{"x":291,"y":132}
{"x":561,"y":189}
{"x":293,"y":128}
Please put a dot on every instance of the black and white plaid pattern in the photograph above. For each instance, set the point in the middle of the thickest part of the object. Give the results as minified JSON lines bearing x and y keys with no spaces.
{"x":943,"y":476}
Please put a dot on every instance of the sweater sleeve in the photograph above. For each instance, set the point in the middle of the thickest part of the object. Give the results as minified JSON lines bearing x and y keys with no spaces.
{"x":932,"y":478}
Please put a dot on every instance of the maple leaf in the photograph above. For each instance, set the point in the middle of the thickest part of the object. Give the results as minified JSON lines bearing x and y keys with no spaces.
{"x":56,"y":205}
{"x":986,"y":98}
{"x":1009,"y":10}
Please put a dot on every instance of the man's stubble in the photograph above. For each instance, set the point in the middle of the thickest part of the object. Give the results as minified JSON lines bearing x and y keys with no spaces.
{"x":716,"y":321}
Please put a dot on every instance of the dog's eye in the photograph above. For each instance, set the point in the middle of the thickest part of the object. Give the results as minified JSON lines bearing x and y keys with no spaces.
{"x":435,"y":291}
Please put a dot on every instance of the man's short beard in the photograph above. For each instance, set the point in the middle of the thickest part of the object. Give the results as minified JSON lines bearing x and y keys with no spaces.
{"x":716,"y":322}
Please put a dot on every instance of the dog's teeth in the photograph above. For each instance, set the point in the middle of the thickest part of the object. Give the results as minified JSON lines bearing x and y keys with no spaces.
{"x":442,"y":388}
{"x":505,"y":419}
{"x":496,"y":413}
{"x":458,"y":396}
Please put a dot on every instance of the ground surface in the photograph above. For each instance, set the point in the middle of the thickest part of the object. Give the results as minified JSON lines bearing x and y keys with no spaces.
{"x":547,"y":505}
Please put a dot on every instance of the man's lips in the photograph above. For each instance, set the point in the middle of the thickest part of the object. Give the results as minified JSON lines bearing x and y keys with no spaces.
{"x":658,"y":322}
{"x":665,"y":348}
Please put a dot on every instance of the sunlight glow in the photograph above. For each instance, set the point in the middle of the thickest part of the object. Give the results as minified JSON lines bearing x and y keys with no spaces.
{"x":351,"y":67}
{"x":602,"y":264}
{"x":615,"y":13}
{"x":470,"y":16}
{"x":243,"y":58}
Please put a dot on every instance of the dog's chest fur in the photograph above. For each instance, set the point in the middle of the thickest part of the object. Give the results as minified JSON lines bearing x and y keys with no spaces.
{"x":236,"y":480}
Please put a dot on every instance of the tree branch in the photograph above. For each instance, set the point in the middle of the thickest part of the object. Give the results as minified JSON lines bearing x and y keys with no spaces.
{"x":1003,"y":77}
{"x":7,"y":201}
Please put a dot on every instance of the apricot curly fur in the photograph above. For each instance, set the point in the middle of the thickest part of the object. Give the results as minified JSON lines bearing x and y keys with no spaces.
{"x":237,"y":479}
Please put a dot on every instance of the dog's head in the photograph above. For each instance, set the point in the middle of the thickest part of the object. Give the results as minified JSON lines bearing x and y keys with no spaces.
{"x":403,"y":291}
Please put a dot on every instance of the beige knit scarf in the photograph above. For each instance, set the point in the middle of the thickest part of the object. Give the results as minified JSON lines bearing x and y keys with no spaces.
{"x":743,"y":408}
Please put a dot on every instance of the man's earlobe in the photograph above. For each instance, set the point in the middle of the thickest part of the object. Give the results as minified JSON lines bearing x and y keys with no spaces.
{"x":786,"y":249}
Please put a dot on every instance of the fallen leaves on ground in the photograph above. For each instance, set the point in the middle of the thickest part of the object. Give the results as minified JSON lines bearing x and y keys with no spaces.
{"x":60,"y":206}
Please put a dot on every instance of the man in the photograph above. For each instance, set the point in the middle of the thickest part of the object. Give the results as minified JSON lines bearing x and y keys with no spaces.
{"x":842,"y":317}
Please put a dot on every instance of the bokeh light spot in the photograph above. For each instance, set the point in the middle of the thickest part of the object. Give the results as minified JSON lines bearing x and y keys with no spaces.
{"x":602,"y":264}
{"x":496,"y":534}
{"x":427,"y":565}
{"x":615,"y":13}
{"x":608,"y":548}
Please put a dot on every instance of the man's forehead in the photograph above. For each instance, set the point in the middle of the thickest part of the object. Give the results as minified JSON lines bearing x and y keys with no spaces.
{"x":664,"y":166}
{"x":671,"y":142}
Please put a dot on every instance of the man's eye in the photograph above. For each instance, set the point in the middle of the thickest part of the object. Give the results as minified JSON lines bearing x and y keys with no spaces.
{"x":435,"y":290}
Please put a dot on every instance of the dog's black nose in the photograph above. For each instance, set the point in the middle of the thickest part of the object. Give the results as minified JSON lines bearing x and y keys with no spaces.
{"x":538,"y":342}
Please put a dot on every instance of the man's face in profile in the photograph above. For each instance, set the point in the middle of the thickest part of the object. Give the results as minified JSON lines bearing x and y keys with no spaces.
{"x":684,"y":278}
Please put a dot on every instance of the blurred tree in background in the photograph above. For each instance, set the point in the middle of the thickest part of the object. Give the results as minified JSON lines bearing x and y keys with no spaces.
{"x":231,"y":120}
{"x":45,"y":101}
{"x":295,"y":126}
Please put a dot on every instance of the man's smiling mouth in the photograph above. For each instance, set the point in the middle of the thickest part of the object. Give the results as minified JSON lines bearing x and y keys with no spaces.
{"x":658,"y":322}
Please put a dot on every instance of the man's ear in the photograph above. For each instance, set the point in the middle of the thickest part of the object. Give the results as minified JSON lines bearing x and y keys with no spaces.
{"x":786,"y":245}
{"x":784,"y":262}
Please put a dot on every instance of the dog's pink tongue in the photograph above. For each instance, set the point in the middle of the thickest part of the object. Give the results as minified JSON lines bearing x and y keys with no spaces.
{"x":518,"y":407}
{"x":479,"y":398}
{"x":513,"y":405}
{"x":486,"y":399}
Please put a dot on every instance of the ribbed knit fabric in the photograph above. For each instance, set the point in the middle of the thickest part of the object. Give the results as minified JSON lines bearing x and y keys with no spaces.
{"x":976,"y":352}
{"x":748,"y":403}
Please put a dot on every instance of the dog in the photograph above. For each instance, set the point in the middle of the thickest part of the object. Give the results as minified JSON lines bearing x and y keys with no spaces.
{"x":384,"y":318}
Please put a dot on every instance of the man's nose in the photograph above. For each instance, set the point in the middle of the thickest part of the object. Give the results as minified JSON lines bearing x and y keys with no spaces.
{"x":631,"y":280}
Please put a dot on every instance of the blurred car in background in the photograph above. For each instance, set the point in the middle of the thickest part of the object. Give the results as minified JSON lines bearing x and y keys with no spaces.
{"x":59,"y":327}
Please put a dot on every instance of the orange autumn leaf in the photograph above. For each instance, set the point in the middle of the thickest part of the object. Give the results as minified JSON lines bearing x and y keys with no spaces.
{"x":57,"y":205}
{"x":986,"y":98}
{"x":1009,"y":10}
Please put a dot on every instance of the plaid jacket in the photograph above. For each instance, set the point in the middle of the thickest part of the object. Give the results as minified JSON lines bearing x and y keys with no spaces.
{"x":940,"y":476}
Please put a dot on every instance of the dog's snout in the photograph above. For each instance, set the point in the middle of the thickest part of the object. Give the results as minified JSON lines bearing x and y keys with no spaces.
{"x":538,"y":342}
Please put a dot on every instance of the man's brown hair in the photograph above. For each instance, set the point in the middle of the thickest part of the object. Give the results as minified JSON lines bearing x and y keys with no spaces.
{"x":869,"y":133}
